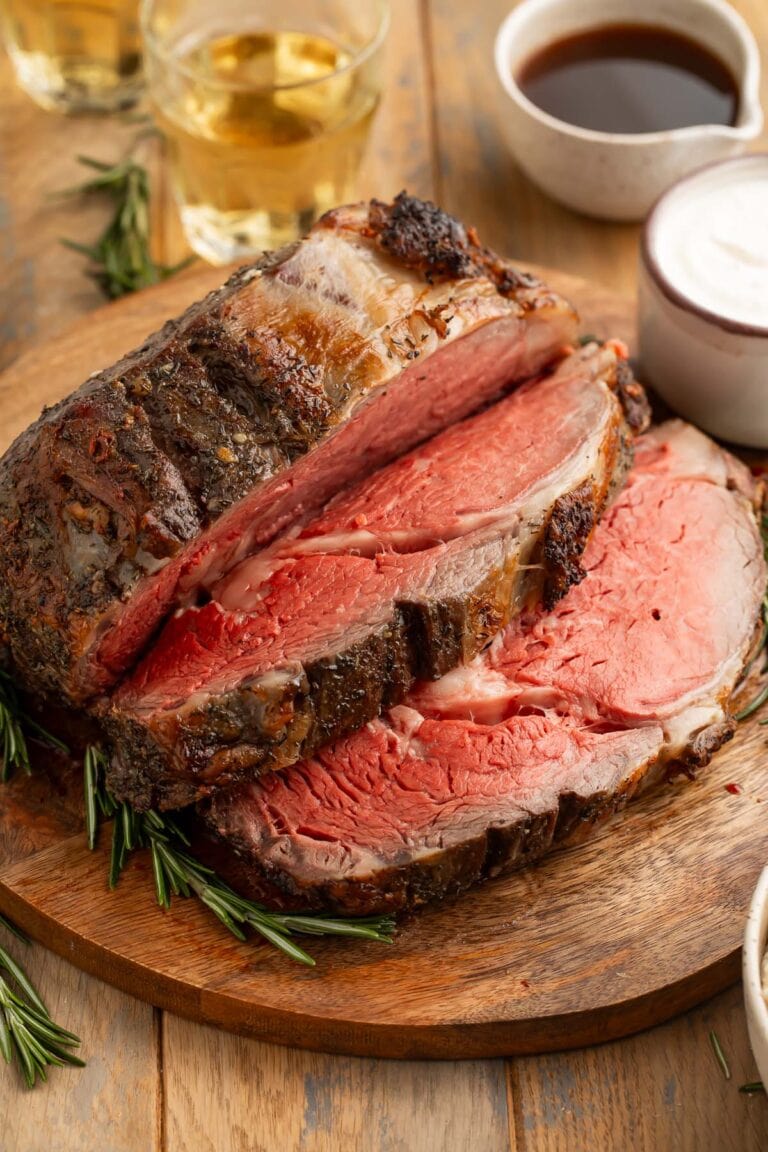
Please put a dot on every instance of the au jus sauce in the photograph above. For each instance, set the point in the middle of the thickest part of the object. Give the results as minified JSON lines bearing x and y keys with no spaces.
{"x":630,"y":78}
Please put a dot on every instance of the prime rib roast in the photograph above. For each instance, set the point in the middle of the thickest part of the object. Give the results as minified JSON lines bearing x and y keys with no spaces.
{"x":316,"y":365}
{"x":312,"y":557}
{"x":401,"y":577}
{"x":566,"y":716}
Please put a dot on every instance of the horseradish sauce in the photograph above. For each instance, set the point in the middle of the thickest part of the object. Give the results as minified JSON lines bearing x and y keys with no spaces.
{"x":709,"y":240}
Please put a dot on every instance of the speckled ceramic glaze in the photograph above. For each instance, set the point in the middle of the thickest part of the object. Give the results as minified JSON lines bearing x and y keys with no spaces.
{"x":755,"y":940}
{"x":614,"y":175}
{"x":711,"y":369}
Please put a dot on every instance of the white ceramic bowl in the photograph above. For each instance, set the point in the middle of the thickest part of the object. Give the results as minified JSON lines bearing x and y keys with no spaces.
{"x":710,"y":367}
{"x":755,"y":943}
{"x":618,"y":176}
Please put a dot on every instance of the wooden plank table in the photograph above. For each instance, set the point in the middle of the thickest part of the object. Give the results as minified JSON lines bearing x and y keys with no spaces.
{"x":156,"y":1083}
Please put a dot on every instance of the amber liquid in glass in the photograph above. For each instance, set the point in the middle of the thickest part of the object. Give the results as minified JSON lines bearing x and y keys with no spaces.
{"x":265,"y":132}
{"x":74,"y":56}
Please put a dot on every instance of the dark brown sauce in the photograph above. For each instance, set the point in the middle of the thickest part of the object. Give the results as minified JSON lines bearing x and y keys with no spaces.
{"x":630,"y":78}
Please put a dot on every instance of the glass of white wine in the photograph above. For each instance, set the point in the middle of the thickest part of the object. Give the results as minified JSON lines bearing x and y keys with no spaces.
{"x":75,"y":55}
{"x":265,"y":106}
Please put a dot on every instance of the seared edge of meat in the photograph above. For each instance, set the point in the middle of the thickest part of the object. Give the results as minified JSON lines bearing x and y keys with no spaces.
{"x":497,"y":849}
{"x":276,"y":719}
{"x":260,"y":858}
{"x":112,"y":483}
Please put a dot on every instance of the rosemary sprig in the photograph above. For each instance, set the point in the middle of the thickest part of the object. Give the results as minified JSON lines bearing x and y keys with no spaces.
{"x":14,"y":744}
{"x":177,"y":873}
{"x":14,"y":931}
{"x":719,"y":1055}
{"x":27,"y":1032}
{"x":754,"y":705}
{"x":121,"y":260}
{"x":15,"y":727}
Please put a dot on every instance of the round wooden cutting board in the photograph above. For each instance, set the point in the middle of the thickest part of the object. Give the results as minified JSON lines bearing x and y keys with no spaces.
{"x":601,"y":939}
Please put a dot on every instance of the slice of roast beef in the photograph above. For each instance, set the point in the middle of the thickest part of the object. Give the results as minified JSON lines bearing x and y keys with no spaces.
{"x":402,"y":577}
{"x":563,"y":719}
{"x":313,"y":367}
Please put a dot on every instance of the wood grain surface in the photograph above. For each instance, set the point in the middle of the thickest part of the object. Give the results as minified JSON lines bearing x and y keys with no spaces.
{"x":601,"y":940}
{"x":182,"y":1087}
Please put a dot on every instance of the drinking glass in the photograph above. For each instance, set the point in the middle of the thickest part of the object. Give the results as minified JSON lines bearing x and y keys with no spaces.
{"x":72,"y":56}
{"x":265,"y":106}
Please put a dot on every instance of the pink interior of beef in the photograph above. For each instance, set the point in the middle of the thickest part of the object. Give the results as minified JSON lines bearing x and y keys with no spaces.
{"x":636,"y":637}
{"x":309,"y":606}
{"x":454,"y":381}
{"x":370,"y":794}
{"x":663,"y":642}
{"x":417,"y":516}
{"x":466,"y":479}
{"x":563,"y":701}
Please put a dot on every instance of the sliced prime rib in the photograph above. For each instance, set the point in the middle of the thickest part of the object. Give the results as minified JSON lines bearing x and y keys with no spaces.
{"x":565,"y":717}
{"x":402,"y":577}
{"x":312,"y":367}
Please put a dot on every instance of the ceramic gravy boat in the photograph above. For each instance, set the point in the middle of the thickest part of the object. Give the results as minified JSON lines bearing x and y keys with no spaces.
{"x":618,"y":176}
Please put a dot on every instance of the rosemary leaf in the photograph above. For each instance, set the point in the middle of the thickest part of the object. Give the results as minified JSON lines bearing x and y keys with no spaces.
{"x":319,"y":926}
{"x":6,"y":1044}
{"x":129,"y":830}
{"x":719,"y":1055}
{"x":754,"y":705}
{"x":99,"y":165}
{"x":42,"y":735}
{"x":89,"y":789}
{"x":84,"y":249}
{"x":753,"y":1088}
{"x":117,"y":854}
{"x":161,"y":886}
{"x":284,"y":943}
{"x":11,"y":927}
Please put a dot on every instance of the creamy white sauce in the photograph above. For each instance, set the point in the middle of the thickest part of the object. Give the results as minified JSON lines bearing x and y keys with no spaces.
{"x":710,"y":238}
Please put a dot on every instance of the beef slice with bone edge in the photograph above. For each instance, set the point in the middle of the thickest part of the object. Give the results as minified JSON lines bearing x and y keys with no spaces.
{"x":563,"y":719}
{"x":315,"y":366}
{"x":402,"y":577}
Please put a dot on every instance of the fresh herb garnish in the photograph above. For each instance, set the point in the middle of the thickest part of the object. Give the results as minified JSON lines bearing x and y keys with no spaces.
{"x":753,"y":1088}
{"x":15,"y":754}
{"x":27,"y":1032}
{"x":754,"y":705}
{"x":11,"y":927}
{"x":719,"y":1055}
{"x":15,"y":727}
{"x":121,"y":260}
{"x":177,"y":873}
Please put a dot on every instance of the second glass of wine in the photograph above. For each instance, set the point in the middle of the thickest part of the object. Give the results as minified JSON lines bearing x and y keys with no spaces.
{"x":75,"y":55}
{"x":265,"y":106}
